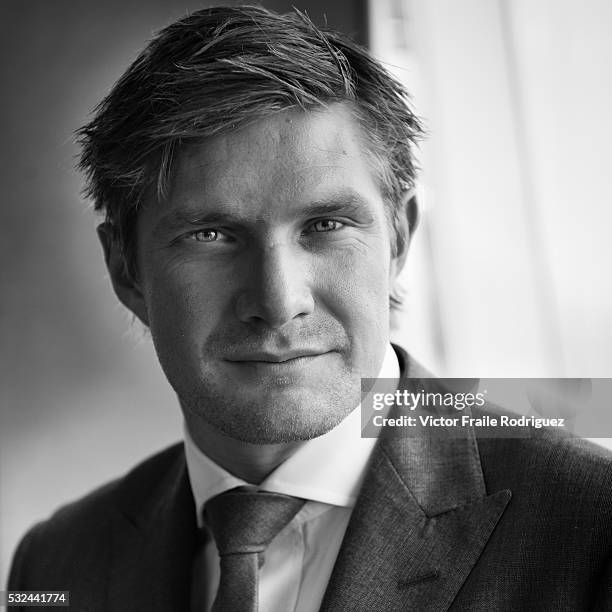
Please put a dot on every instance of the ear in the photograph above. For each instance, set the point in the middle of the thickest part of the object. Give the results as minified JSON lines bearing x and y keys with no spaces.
{"x":408,"y":219}
{"x":127,"y":289}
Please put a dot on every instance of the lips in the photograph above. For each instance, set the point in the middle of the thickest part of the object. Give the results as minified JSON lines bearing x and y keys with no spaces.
{"x":275,"y":357}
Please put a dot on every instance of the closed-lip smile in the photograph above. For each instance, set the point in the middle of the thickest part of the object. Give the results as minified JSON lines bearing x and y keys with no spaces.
{"x":275,"y":357}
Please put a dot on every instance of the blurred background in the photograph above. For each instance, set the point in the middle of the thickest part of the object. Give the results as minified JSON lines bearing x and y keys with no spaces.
{"x":508,"y":275}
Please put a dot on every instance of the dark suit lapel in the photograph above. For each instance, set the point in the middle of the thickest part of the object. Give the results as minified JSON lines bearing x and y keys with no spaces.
{"x":420,"y":524}
{"x":153,"y":546}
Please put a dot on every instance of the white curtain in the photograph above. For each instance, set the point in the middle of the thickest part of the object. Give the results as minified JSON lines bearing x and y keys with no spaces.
{"x":509,"y":275}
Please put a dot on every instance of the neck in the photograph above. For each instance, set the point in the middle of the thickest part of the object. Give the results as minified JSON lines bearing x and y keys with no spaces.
{"x":250,"y":462}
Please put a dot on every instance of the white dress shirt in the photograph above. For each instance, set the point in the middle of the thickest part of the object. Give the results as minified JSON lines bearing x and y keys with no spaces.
{"x":328,"y":472}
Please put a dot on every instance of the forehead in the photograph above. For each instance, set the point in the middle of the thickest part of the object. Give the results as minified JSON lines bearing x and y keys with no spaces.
{"x":286,"y":158}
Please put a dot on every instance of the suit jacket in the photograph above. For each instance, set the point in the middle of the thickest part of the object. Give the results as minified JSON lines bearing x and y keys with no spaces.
{"x":459,"y":524}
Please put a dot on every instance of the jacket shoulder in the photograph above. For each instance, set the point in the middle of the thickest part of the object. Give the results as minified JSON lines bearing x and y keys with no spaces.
{"x":80,"y":531}
{"x":139,"y":482}
{"x":548,"y":454}
{"x":559,"y":479}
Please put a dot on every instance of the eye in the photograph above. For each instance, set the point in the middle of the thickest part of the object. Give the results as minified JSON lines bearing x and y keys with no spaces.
{"x":326,"y":225}
{"x":206,"y":235}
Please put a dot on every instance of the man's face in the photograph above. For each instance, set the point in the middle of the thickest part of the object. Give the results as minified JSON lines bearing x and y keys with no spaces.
{"x":265,"y":276}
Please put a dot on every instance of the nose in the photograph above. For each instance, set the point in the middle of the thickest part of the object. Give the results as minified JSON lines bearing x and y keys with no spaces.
{"x":277,"y":289}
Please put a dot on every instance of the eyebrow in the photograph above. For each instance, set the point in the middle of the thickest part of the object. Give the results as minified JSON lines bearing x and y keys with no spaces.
{"x":346,"y":202}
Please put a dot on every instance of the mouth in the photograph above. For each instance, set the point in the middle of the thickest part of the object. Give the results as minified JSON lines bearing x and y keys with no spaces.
{"x":271,"y":358}
{"x":284,"y":369}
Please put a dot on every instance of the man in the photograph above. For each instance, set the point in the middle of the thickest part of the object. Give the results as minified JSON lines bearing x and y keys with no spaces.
{"x":256,"y":175}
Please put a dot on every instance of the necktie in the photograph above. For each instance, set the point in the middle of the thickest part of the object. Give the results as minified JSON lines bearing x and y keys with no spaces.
{"x":243,"y":523}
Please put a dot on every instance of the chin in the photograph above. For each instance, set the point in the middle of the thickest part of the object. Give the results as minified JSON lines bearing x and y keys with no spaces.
{"x":275,"y":432}
{"x":280,"y":417}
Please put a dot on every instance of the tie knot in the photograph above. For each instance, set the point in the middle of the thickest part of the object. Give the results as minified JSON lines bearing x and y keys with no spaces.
{"x":244,"y":521}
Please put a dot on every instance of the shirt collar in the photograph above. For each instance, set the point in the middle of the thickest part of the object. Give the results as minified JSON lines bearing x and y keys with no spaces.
{"x":328,"y":469}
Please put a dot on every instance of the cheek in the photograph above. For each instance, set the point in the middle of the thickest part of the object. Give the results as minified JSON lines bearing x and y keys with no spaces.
{"x":356,"y":290}
{"x":184,"y":305}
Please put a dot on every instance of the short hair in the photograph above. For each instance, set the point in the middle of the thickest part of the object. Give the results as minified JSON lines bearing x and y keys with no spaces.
{"x":222,"y":68}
